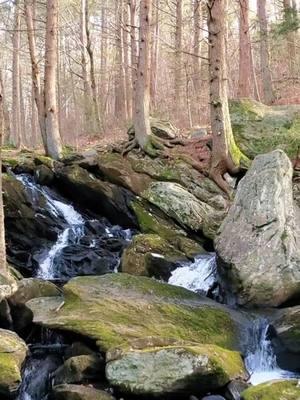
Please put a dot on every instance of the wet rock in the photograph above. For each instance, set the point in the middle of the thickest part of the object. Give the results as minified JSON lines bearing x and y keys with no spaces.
{"x":259,"y":128}
{"x":44,"y":175}
{"x":151,"y":255}
{"x":173,"y":369}
{"x":103,"y":198}
{"x":12,"y":354}
{"x":275,"y":390}
{"x":79,"y":392}
{"x":80,"y":369}
{"x":179,"y":204}
{"x":116,"y":309}
{"x":258,"y":245}
{"x":235,"y":388}
{"x":78,"y":349}
{"x":213,"y":397}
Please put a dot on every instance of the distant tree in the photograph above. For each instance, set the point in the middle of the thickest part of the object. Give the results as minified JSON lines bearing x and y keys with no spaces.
{"x":245,"y":61}
{"x":3,"y":268}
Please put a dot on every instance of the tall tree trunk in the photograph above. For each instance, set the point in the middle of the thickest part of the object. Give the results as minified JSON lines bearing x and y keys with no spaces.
{"x":36,"y":79}
{"x":267,"y":85}
{"x":197,"y":47}
{"x":290,"y":13}
{"x":126,"y":47}
{"x":120,"y":105}
{"x":226,"y":156}
{"x":16,"y":111}
{"x":134,"y":52}
{"x":142,"y":96}
{"x":245,"y":62}
{"x":154,"y":54}
{"x":178,"y":55}
{"x":3,"y":267}
{"x":6,"y":120}
{"x":54,"y":145}
{"x":104,"y":45}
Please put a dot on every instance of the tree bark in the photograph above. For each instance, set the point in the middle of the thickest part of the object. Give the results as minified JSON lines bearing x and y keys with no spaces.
{"x":142,"y":97}
{"x":290,"y":12}
{"x":178,"y":55}
{"x":226,"y":156}
{"x":16,"y":108}
{"x":245,"y":62}
{"x":133,"y":45}
{"x":3,"y":267}
{"x":120,"y":105}
{"x":154,"y":54}
{"x":267,"y":85}
{"x":54,"y":145}
{"x":6,"y":120}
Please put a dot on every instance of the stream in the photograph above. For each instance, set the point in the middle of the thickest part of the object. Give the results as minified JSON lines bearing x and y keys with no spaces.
{"x":81,"y":237}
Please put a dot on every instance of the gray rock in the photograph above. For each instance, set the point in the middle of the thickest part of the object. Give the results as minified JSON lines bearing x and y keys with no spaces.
{"x":258,"y":243}
{"x":217,"y":397}
{"x":79,"y":392}
{"x":235,"y":389}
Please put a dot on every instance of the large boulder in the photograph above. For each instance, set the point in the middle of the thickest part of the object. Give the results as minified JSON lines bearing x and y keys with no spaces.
{"x":274,"y":390}
{"x":79,"y":392}
{"x":103,"y":198}
{"x":179,"y":204}
{"x":173,"y":369}
{"x":151,"y":255}
{"x":116,"y":309}
{"x":161,"y":128}
{"x":12,"y":354}
{"x":259,"y":128}
{"x":258,"y":244}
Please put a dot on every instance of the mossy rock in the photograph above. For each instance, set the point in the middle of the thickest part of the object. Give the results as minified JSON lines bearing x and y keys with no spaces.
{"x":260,"y":129}
{"x":174,"y":369}
{"x":151,"y":255}
{"x":287,"y":325}
{"x":79,"y":392}
{"x":161,"y":128}
{"x":12,"y":354}
{"x":116,"y":309}
{"x":274,"y":390}
{"x":8,"y":286}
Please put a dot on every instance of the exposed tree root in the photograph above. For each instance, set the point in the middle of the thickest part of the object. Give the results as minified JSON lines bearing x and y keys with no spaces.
{"x":130,"y":145}
{"x":218,"y":170}
{"x":154,"y":146}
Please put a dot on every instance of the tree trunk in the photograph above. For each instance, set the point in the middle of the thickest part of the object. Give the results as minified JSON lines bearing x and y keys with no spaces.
{"x":178,"y":55}
{"x":36,"y":80}
{"x":3,"y":267}
{"x":197,"y":47}
{"x":245,"y":62}
{"x":142,"y":96}
{"x":54,"y":145}
{"x":16,"y":111}
{"x":226,"y":156}
{"x":133,"y":45}
{"x":268,"y":93}
{"x":126,"y":47}
{"x":120,"y":105}
{"x":154,"y":54}
{"x":6,"y":120}
{"x":290,"y":12}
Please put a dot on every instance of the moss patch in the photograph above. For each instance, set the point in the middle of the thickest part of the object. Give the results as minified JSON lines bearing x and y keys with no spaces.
{"x":277,"y":390}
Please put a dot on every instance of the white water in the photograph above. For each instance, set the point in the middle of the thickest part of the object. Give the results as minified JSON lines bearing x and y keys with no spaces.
{"x":198,"y":276}
{"x":261,"y":360}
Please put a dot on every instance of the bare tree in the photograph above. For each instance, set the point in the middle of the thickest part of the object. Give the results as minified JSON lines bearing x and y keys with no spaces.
{"x":178,"y":54}
{"x":245,"y":59}
{"x":226,"y":156}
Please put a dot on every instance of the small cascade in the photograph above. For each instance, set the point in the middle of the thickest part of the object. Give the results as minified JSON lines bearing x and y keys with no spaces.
{"x":261,"y":360}
{"x":198,"y":276}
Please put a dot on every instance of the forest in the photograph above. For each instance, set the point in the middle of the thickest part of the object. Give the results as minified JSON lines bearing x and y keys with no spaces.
{"x":150,"y":200}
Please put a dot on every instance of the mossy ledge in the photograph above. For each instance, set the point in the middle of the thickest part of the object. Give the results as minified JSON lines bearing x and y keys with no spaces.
{"x":274,"y":390}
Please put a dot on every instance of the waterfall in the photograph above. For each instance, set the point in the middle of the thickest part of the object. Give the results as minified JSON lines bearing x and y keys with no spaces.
{"x":198,"y":276}
{"x":260,"y":359}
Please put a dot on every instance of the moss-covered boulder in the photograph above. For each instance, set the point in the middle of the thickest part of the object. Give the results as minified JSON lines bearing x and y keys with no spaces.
{"x":274,"y":390}
{"x":259,"y":128}
{"x":116,"y":309}
{"x":12,"y":354}
{"x":80,"y":369}
{"x":151,"y":255}
{"x":79,"y":392}
{"x":179,"y":204}
{"x":173,"y":369}
{"x":103,"y":198}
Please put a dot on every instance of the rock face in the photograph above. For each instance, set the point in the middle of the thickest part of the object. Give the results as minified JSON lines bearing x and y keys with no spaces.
{"x":275,"y":390}
{"x":259,"y":128}
{"x":12,"y":354}
{"x":258,"y":245}
{"x":173,"y":369}
{"x":184,"y":207}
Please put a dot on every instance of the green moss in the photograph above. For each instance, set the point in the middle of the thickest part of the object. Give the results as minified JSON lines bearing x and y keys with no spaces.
{"x":9,"y":371}
{"x":119,"y":308}
{"x":44,"y":160}
{"x":277,"y":390}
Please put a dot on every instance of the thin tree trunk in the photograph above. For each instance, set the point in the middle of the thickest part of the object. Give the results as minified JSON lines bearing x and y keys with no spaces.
{"x":6,"y":121}
{"x":104,"y":43}
{"x":3,"y":267}
{"x":245,"y":75}
{"x":197,"y":18}
{"x":126,"y":47}
{"x":178,"y":55}
{"x":16,"y":111}
{"x":142,"y":97}
{"x":290,"y":12}
{"x":154,"y":54}
{"x":134,"y":51}
{"x":268,"y":93}
{"x":54,"y":145}
{"x":23,"y":130}
{"x":225,"y":154}
{"x":120,"y":105}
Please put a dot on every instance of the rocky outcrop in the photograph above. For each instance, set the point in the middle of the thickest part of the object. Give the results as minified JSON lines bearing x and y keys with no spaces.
{"x":151,"y":255}
{"x":179,"y":204}
{"x":173,"y":369}
{"x":12,"y":354}
{"x":258,"y":244}
{"x":103,"y":198}
{"x":79,"y":392}
{"x":275,"y":390}
{"x":258,"y":128}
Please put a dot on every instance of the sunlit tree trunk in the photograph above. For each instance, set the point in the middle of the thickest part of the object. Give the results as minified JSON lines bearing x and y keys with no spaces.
{"x":267,"y":85}
{"x":226,"y":156}
{"x":54,"y":145}
{"x":245,"y":62}
{"x":16,"y":101}
{"x":3,"y":267}
{"x":142,"y":96}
